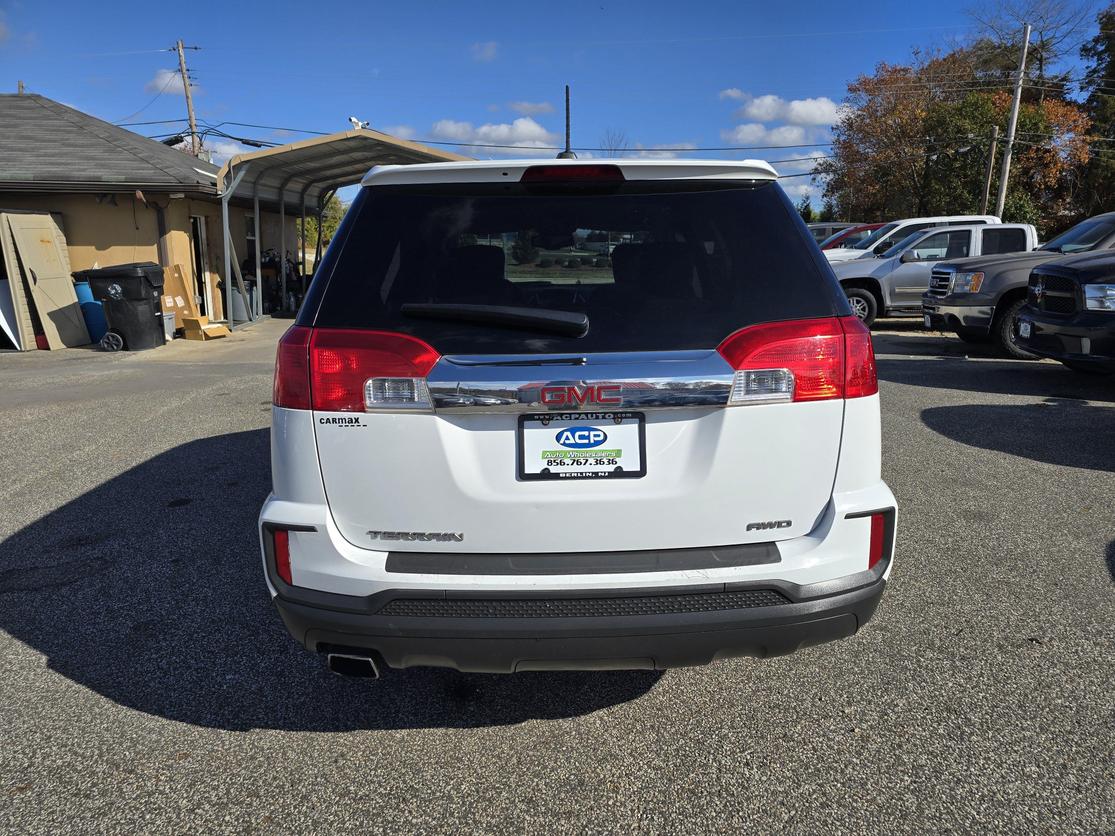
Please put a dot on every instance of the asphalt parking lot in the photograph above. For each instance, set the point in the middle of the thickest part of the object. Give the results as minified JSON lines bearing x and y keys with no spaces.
{"x":147,"y":683}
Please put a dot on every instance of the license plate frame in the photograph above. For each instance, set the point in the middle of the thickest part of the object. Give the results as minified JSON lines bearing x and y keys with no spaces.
{"x":610,"y":416}
{"x":928,"y":320}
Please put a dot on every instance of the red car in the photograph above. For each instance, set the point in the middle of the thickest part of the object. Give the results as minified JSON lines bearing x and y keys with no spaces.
{"x":847,"y":237}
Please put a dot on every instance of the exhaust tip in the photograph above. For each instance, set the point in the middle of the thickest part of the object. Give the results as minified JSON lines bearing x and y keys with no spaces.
{"x":348,"y":664}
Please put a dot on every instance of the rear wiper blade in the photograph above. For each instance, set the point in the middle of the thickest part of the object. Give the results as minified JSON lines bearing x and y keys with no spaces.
{"x":567,"y":323}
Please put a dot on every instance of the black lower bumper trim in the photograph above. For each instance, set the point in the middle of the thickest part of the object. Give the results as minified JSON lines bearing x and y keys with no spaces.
{"x":583,"y":563}
{"x":661,"y":640}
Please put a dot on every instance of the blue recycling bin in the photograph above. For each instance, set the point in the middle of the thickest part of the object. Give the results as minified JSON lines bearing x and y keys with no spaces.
{"x":92,"y":310}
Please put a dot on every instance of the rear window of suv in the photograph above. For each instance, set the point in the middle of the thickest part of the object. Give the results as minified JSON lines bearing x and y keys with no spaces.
{"x":653,"y":265}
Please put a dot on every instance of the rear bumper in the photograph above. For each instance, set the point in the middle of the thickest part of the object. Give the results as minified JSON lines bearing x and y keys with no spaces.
{"x":505,"y":632}
{"x":946,"y":315}
{"x":1086,"y":338}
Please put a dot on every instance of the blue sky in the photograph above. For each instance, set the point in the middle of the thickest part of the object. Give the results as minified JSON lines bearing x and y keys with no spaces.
{"x":679,"y":75}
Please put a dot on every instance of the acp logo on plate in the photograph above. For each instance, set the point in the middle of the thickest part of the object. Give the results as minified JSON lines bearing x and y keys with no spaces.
{"x":581,"y":438}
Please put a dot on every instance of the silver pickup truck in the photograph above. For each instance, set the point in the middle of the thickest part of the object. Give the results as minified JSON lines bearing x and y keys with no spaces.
{"x":892,"y":284}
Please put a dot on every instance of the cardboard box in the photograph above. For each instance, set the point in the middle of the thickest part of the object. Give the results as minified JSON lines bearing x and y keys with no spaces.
{"x":198,"y":328}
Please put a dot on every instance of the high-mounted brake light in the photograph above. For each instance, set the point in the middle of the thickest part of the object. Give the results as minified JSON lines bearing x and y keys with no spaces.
{"x":801,"y":360}
{"x":341,"y":370}
{"x":572,"y":173}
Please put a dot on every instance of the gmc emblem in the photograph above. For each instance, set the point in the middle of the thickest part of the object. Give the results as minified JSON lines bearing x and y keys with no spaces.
{"x":605,"y":394}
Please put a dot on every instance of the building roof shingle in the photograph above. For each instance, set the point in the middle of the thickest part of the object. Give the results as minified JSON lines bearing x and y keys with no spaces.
{"x":45,"y":145}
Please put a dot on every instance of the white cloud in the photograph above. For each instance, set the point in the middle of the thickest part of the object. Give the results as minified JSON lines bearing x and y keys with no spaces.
{"x":401,"y":131}
{"x":485,"y":51}
{"x":819,"y":111}
{"x":531,"y":108}
{"x":754,"y":133}
{"x":523,"y":133}
{"x":771,"y":108}
{"x":763,"y":109}
{"x":667,"y":151}
{"x":222,"y":150}
{"x":167,"y":81}
{"x":733,"y":93}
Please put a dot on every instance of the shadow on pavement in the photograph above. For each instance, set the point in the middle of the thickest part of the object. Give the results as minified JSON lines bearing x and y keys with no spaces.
{"x":1110,"y":558}
{"x":1006,"y":378}
{"x":1068,"y":433}
{"x":149,"y":591}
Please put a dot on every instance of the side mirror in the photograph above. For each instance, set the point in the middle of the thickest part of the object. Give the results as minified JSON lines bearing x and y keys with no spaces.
{"x":908,"y":256}
{"x":883,"y":247}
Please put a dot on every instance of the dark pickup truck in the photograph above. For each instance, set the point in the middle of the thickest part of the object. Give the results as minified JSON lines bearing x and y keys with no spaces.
{"x":1070,"y":312}
{"x":979,"y":298}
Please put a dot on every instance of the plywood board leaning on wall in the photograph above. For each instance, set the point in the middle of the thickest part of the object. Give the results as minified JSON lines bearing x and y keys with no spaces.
{"x":15,"y":307}
{"x":44,"y":269}
{"x":178,"y":298}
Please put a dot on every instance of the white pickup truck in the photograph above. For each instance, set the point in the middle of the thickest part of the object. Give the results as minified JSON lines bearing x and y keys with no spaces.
{"x":892,"y":283}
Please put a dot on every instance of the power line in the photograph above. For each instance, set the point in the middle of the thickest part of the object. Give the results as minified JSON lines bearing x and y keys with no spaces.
{"x":169,"y":78}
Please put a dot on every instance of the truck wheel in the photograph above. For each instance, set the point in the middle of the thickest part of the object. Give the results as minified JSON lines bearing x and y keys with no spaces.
{"x":1005,"y":330}
{"x":863,"y":304}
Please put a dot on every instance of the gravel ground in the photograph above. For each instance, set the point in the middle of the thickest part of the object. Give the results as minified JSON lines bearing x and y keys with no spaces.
{"x":147,"y":684}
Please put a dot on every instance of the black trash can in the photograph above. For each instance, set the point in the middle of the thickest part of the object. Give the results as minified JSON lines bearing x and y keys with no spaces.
{"x":132,"y":298}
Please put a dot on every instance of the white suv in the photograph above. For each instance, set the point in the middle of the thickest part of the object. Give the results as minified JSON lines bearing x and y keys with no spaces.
{"x":495,"y":448}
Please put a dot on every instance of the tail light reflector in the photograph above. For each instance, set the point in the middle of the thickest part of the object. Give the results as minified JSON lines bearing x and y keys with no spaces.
{"x":801,"y":360}
{"x":341,"y":370}
{"x":282,"y":555}
{"x":878,"y":539}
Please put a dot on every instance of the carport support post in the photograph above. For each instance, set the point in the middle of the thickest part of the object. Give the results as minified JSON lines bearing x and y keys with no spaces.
{"x":225,"y":198}
{"x":258,"y":302}
{"x":282,"y":244}
{"x":302,"y":242}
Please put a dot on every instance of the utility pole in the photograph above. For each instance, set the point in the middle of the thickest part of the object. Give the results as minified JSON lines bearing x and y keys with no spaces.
{"x":195,"y":141}
{"x":990,"y":169}
{"x":567,"y":154}
{"x":19,"y":87}
{"x":1005,"y":175}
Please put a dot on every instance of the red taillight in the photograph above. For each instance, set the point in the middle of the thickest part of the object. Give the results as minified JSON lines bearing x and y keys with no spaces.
{"x":860,"y":375}
{"x":292,"y":369}
{"x":878,"y":539}
{"x":282,"y":555}
{"x":571,"y":173}
{"x":328,"y":369}
{"x":343,"y":361}
{"x":801,"y":360}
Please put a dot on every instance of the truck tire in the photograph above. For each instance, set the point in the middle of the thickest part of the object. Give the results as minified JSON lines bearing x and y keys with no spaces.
{"x":863,"y":304}
{"x":1004,"y":332}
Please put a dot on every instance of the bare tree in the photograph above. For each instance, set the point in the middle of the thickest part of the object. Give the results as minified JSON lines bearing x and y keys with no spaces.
{"x":1057,"y":26}
{"x":614,"y":142}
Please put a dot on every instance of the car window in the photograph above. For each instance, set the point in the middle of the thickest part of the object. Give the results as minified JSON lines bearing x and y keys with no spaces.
{"x":654,"y":265}
{"x":1084,"y":236}
{"x":903,"y":243}
{"x":1003,"y":241}
{"x":880,"y":233}
{"x":942,"y":245}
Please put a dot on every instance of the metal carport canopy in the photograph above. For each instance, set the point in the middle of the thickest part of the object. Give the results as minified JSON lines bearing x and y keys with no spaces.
{"x":303,"y":174}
